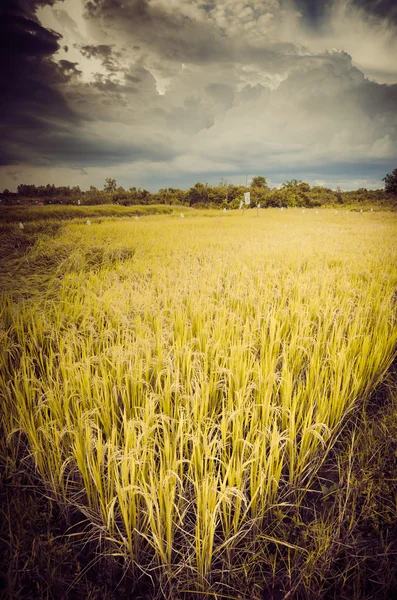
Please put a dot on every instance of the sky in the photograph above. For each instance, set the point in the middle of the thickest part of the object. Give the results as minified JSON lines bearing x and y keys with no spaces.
{"x":165,"y":93}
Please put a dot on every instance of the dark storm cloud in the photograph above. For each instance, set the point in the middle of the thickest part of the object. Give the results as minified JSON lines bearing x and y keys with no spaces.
{"x":105,"y":53}
{"x":102,"y":51}
{"x":108,"y":86}
{"x":65,"y":146}
{"x":376,"y":99}
{"x":69,"y":70}
{"x":166,"y":89}
{"x":38,"y":126}
{"x":381,"y":8}
{"x":23,"y":36}
{"x":30,"y":103}
{"x":139,"y":8}
{"x":23,"y":7}
{"x":313,"y":11}
{"x":174,"y":35}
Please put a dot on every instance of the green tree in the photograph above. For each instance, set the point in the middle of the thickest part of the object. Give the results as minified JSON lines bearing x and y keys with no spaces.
{"x":291,"y":183}
{"x":197,"y":194}
{"x":391,"y":182}
{"x":338,"y":194}
{"x":259,"y":182}
{"x":110,"y":185}
{"x":27,"y":190}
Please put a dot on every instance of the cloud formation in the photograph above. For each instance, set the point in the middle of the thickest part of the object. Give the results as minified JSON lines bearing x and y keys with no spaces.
{"x":179,"y":91}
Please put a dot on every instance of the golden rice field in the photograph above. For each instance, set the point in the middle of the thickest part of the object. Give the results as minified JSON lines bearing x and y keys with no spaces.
{"x":180,"y":382}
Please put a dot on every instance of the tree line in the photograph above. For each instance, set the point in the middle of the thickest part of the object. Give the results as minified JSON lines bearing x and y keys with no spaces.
{"x":293,"y":193}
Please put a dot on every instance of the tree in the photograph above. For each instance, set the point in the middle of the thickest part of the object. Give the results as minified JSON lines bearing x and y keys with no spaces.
{"x":391,"y":182}
{"x":27,"y":190}
{"x":259,"y":182}
{"x":292,"y":183}
{"x":197,"y":194}
{"x":338,"y":194}
{"x":110,"y":185}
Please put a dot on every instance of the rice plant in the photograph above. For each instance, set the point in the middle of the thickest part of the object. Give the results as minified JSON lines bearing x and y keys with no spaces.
{"x":181,"y":381}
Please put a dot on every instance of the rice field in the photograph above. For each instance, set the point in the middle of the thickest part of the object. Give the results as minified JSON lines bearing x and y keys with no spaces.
{"x":180,"y":382}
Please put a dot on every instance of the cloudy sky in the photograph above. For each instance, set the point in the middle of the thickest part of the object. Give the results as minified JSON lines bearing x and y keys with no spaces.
{"x":159,"y":93}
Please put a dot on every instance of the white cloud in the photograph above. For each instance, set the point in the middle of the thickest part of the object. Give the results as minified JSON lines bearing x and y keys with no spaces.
{"x":370,"y":39}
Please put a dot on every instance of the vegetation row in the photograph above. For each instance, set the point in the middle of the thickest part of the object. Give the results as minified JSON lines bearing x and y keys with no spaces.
{"x":292,"y":193}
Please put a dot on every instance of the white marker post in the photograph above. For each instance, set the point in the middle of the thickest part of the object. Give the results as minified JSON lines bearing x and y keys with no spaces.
{"x":247,"y":200}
